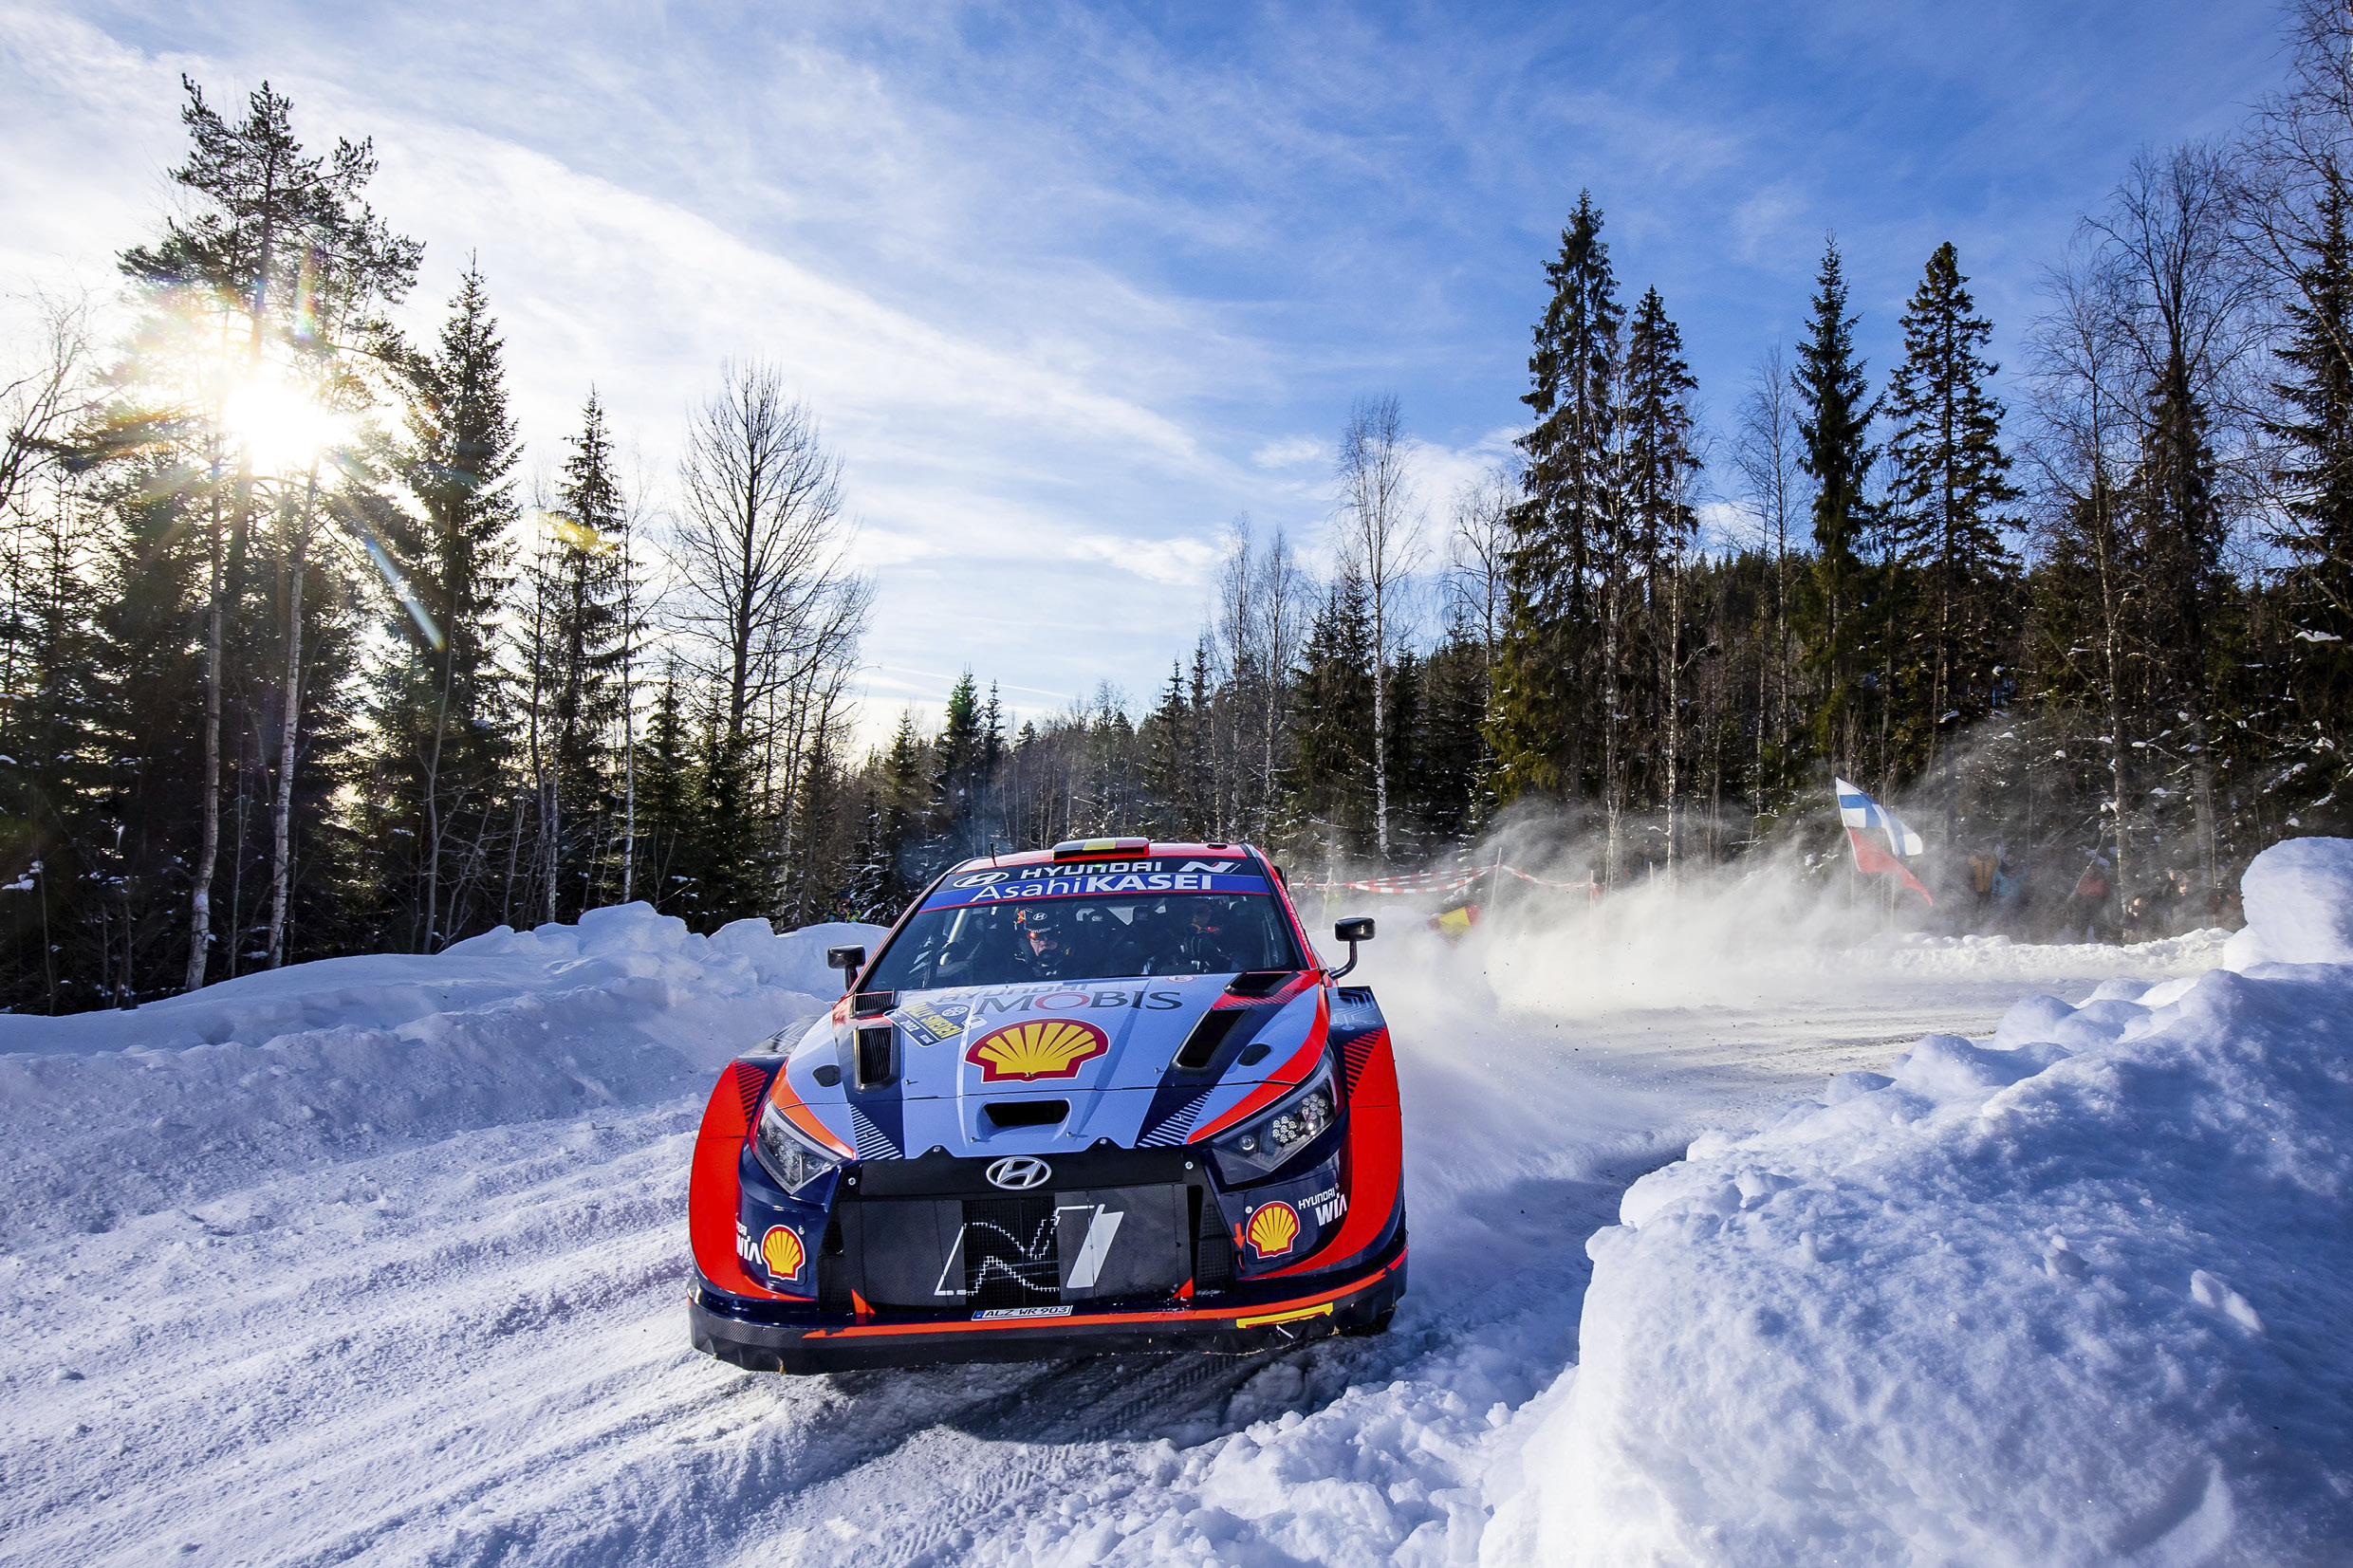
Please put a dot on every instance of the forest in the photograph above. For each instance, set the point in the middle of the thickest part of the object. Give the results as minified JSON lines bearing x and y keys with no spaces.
{"x":297,"y":660}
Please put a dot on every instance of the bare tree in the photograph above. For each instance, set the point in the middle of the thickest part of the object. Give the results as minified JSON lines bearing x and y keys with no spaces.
{"x":2082,"y":397}
{"x":1258,"y":625}
{"x":760,"y":553}
{"x":2292,"y":184}
{"x":1766,"y":451}
{"x":1379,"y":531}
{"x":48,"y":390}
{"x":1477,"y":582}
{"x":2184,"y":317}
{"x":765,"y":603}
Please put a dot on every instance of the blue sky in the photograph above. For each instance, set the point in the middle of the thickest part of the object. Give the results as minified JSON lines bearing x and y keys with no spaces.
{"x":1071,"y":287}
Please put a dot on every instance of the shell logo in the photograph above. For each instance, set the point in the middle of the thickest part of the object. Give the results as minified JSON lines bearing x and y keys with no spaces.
{"x":1045,"y":1048}
{"x":1273,"y":1229}
{"x":781,"y":1249}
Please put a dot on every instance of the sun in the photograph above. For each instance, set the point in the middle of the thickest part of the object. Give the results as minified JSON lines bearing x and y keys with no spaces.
{"x":283,"y":427}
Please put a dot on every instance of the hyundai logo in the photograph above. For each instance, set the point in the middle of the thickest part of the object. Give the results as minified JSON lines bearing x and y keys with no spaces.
{"x":1019,"y":1173}
{"x":981,"y":879}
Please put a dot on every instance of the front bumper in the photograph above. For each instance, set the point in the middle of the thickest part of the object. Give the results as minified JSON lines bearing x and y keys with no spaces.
{"x":768,"y":1337}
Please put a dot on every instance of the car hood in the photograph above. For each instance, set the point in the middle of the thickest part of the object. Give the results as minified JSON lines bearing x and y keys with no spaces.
{"x":1107,"y":1048}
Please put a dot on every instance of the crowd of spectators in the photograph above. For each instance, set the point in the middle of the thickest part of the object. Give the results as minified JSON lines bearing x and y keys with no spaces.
{"x":2074,"y":898}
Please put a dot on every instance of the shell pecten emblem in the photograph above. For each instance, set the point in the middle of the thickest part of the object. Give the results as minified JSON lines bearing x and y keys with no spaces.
{"x":1043,"y":1047}
{"x":1273,"y":1229}
{"x":781,"y":1249}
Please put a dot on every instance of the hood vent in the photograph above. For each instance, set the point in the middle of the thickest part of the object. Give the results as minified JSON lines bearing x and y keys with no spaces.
{"x":1210,"y":1033}
{"x":876,"y":1054}
{"x":1258,"y":982}
{"x":1026,"y":1113}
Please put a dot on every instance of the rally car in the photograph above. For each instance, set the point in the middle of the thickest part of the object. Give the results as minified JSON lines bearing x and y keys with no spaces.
{"x":1102,"y":1097}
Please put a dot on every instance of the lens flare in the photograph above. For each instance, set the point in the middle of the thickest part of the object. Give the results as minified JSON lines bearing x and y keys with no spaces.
{"x":282,"y":427}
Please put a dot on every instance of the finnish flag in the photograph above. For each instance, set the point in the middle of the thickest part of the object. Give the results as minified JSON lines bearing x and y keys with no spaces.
{"x":1866,"y":815}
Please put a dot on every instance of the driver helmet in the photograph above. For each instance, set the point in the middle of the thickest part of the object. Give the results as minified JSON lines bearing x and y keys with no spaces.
{"x":1044,"y":924}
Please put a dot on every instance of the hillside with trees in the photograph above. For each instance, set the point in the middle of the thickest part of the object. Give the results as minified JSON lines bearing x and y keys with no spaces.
{"x":297,"y":660}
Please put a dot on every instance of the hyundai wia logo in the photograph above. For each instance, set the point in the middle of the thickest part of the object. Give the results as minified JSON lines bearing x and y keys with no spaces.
{"x":1019,"y":1173}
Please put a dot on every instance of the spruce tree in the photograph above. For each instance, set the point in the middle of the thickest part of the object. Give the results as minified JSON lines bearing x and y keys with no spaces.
{"x":1452,"y":747}
{"x":1329,"y":780}
{"x":957,"y":761}
{"x":1658,"y":466}
{"x":2314,"y":476}
{"x":1949,"y":486}
{"x":440,"y":710}
{"x":270,"y":232}
{"x":1168,"y":762}
{"x":670,"y":820}
{"x":1835,"y":417}
{"x":1542,"y":665}
{"x":581,"y":570}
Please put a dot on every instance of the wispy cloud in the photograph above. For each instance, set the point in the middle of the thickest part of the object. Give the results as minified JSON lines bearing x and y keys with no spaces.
{"x":1070,"y":286}
{"x":1292,"y":451}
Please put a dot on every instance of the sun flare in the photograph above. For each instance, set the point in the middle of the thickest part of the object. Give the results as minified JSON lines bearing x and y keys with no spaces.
{"x":281,"y":425}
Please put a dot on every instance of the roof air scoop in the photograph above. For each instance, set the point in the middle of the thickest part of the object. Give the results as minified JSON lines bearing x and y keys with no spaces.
{"x":1087,"y":849}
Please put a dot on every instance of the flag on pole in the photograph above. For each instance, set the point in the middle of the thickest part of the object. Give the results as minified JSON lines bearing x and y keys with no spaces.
{"x":1878,"y":835}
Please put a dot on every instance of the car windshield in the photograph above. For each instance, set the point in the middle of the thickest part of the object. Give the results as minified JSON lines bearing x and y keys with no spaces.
{"x":1005,"y":944}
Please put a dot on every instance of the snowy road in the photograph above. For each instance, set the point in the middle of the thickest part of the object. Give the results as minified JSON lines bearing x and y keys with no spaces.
{"x":440,"y":1319}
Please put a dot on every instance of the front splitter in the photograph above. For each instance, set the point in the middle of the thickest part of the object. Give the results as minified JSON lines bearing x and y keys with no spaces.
{"x":1364,"y":1298}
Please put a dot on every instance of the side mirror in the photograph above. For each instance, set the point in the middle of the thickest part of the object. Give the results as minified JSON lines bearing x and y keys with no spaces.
{"x":848,"y":960}
{"x":1352,"y":931}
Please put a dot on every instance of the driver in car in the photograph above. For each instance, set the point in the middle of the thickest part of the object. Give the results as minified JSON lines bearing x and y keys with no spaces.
{"x":1205,"y":945}
{"x":1042,"y":944}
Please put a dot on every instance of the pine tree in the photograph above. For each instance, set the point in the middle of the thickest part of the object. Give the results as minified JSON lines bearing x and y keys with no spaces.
{"x":239,"y":280}
{"x":441,"y":711}
{"x":1452,"y":748}
{"x":1836,"y":417}
{"x":1542,"y":668}
{"x":896,"y":854}
{"x":1408,"y":780}
{"x":669,"y":847}
{"x":2315,"y":477}
{"x":590,"y":638}
{"x":1330,"y":775}
{"x":1658,"y":467}
{"x":54,"y":724}
{"x":1950,"y":487}
{"x":958,"y":760}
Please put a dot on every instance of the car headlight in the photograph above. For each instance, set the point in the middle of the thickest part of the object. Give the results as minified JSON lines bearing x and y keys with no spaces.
{"x":1269,"y":1139}
{"x":787,"y":1154}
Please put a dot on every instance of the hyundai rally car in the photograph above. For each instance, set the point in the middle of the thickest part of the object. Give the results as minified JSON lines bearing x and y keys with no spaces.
{"x":1098,"y":1097}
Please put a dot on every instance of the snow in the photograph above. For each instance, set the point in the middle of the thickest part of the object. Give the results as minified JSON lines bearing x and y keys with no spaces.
{"x":2071,"y":1295}
{"x":382,"y":1258}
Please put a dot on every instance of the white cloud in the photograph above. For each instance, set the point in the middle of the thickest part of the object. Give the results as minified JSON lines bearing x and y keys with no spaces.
{"x":1178,"y":562}
{"x":1441,"y":472}
{"x":1292,"y":451}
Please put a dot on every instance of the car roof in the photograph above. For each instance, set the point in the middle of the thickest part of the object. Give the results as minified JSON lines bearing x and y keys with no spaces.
{"x":1136,"y":849}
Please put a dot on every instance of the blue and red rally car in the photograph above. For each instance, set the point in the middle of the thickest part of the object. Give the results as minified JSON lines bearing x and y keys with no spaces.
{"x":1098,"y":1097}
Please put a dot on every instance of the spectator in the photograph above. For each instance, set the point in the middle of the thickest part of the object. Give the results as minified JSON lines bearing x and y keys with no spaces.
{"x":1981,"y":871}
{"x":2009,"y":893}
{"x":2089,"y":901}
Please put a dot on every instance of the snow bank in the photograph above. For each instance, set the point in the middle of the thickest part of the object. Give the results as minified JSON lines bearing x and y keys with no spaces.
{"x":2076,"y":1295}
{"x":111,"y":1113}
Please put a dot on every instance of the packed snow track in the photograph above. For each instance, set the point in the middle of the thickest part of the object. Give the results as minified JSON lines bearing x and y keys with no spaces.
{"x":383,"y":1259}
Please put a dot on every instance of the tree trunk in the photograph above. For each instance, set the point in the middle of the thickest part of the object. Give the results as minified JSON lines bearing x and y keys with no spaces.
{"x":200,"y":892}
{"x":291,"y":726}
